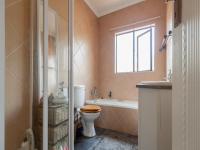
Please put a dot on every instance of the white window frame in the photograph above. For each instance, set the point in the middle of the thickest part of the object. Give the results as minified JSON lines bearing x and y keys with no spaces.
{"x":152,"y":48}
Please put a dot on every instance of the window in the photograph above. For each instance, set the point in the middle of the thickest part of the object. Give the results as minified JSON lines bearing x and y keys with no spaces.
{"x":135,"y":50}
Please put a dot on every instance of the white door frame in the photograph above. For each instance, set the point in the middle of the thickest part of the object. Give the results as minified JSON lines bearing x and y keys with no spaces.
{"x":2,"y":74}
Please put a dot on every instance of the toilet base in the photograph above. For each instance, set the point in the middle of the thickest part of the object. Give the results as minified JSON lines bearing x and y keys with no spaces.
{"x":88,"y":129}
{"x":87,"y":120}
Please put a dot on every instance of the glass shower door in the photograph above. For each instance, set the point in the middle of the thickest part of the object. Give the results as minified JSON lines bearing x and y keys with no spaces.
{"x":53,"y":75}
{"x":58,"y":74}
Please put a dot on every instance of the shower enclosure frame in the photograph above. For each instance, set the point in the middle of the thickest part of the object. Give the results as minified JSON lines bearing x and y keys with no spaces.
{"x":2,"y":74}
{"x":3,"y":71}
{"x":70,"y":73}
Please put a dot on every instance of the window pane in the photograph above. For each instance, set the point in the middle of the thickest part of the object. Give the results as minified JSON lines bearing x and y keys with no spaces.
{"x":153,"y":47}
{"x":144,"y":51}
{"x":124,"y":52}
{"x":138,"y":33}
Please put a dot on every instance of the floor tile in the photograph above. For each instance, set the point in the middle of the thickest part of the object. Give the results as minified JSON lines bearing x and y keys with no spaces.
{"x":107,"y":140}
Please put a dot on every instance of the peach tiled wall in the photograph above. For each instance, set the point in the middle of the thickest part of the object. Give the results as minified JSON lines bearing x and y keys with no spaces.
{"x":94,"y":58}
{"x":17,"y":72}
{"x":86,"y":47}
{"x":123,"y":85}
{"x":91,"y":66}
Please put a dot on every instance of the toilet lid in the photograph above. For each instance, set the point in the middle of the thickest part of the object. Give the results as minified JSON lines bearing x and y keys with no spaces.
{"x":91,"y":109}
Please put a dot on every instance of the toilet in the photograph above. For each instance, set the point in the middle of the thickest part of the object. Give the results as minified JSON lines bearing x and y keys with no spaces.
{"x":89,"y":113}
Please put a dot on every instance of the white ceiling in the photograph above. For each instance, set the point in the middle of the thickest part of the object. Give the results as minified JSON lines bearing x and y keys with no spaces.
{"x":104,"y":7}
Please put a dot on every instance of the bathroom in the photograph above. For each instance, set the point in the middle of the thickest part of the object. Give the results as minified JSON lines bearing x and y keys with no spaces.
{"x":110,"y":81}
{"x":69,"y":84}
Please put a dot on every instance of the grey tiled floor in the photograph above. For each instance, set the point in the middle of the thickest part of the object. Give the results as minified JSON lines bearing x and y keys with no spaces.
{"x":107,"y":140}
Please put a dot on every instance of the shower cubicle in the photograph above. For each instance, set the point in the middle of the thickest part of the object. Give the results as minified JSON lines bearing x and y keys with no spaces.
{"x":52,"y":50}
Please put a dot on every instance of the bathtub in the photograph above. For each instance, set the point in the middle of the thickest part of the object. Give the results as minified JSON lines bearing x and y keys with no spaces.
{"x":117,"y":115}
{"x":114,"y":103}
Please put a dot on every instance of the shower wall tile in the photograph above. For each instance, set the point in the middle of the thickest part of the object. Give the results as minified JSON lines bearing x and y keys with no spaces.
{"x":63,"y":48}
{"x":61,"y":8}
{"x":17,"y":71}
{"x":17,"y":111}
{"x":17,"y":20}
{"x":18,"y":63}
{"x":86,"y":47}
{"x":11,"y":2}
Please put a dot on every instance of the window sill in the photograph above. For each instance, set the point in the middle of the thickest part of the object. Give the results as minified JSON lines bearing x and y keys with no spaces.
{"x":139,"y":72}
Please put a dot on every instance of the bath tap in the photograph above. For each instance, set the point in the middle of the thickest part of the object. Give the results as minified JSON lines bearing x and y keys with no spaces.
{"x":110,"y":94}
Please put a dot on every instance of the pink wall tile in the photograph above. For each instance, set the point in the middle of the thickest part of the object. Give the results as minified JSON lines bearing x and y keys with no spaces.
{"x":123,"y":86}
{"x":17,"y":72}
{"x":86,"y":52}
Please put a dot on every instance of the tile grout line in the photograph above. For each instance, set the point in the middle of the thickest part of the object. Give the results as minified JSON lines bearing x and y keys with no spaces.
{"x":13,"y":3}
{"x":14,"y":76}
{"x":19,"y":46}
{"x":16,"y":49}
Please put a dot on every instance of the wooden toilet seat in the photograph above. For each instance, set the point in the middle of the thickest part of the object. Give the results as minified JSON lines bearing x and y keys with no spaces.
{"x":91,"y":109}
